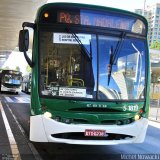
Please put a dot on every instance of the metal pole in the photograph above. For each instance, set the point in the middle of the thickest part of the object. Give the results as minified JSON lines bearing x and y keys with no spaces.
{"x":144,"y":7}
{"x":157,"y":109}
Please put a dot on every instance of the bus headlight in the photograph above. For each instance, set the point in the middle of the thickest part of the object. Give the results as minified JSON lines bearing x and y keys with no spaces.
{"x":137,"y":117}
{"x":47,"y":115}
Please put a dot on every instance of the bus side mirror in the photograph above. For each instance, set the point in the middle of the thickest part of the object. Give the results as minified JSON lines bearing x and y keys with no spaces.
{"x":24,"y":45}
{"x":23,"y":40}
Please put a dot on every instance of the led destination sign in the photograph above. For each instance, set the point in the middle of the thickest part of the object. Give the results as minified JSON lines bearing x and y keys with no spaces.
{"x":96,"y":19}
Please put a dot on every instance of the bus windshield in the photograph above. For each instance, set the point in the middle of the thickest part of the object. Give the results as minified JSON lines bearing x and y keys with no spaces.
{"x":12,"y":79}
{"x":69,"y":70}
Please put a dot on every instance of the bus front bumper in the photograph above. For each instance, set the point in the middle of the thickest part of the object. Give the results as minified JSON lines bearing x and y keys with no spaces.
{"x":6,"y":89}
{"x":45,"y":130}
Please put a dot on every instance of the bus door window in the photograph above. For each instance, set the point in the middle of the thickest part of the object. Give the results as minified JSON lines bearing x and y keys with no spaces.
{"x":67,"y":64}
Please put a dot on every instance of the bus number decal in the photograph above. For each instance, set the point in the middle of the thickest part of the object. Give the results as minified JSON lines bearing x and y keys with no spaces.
{"x":133,"y":108}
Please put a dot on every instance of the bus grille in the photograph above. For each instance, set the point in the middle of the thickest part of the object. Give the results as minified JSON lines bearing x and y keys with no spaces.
{"x":95,"y":110}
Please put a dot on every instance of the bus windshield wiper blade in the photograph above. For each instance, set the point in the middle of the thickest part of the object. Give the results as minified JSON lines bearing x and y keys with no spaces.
{"x":84,"y":50}
{"x":113,"y":56}
{"x":110,"y":64}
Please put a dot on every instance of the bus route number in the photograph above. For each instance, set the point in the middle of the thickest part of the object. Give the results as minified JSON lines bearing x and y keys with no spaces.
{"x":132,"y":108}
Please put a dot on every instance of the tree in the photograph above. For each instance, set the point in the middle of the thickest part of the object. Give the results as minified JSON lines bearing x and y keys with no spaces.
{"x":28,"y":69}
{"x":7,"y":68}
{"x":17,"y":68}
{"x":155,"y":45}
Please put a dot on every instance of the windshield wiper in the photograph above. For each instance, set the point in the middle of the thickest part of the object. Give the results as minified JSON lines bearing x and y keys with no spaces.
{"x":84,"y":50}
{"x":110,"y":64}
{"x":113,"y":56}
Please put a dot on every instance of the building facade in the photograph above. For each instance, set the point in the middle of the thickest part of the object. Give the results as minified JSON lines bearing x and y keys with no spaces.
{"x":152,"y":14}
{"x":155,"y":73}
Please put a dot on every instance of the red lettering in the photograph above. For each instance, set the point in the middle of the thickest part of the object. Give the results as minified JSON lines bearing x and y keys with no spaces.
{"x":77,"y":19}
{"x":62,"y":17}
{"x":65,"y":17}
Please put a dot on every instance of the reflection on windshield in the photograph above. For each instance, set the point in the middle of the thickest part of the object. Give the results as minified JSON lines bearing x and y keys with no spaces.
{"x":128,"y":72}
{"x":67,"y":70}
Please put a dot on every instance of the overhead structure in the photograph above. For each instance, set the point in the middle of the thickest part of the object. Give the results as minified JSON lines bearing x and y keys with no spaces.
{"x":12,"y":15}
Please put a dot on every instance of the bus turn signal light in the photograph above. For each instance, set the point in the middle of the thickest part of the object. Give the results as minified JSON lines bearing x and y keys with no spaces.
{"x":46,"y":15}
{"x":141,"y":111}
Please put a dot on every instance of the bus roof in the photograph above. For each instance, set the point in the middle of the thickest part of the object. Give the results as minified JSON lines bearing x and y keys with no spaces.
{"x":6,"y":71}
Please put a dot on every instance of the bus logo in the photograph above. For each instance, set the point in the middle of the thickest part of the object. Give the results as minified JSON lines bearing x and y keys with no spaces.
{"x":96,"y":105}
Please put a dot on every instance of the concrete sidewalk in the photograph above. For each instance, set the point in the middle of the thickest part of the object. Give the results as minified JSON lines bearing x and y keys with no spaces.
{"x":154,"y":124}
{"x":154,"y":114}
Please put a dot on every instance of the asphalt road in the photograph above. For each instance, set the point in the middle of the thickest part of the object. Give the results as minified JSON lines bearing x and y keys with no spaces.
{"x":18,"y":106}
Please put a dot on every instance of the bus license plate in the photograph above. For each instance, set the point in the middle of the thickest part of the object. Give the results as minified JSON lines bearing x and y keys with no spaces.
{"x":96,"y":133}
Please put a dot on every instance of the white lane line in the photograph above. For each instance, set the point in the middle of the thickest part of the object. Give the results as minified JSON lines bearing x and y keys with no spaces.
{"x":9,"y":99}
{"x":31,"y":146}
{"x":20,"y":99}
{"x":27,"y":98}
{"x":13,"y":144}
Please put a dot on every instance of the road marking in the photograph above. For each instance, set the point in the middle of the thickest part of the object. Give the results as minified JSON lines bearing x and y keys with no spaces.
{"x":20,"y":99}
{"x":32,"y":148}
{"x":9,"y":99}
{"x":23,"y":99}
{"x":13,"y":144}
{"x":17,"y":100}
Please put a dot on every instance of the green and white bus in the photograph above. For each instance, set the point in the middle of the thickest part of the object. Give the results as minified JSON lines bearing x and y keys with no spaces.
{"x":26,"y":83}
{"x":90,"y":75}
